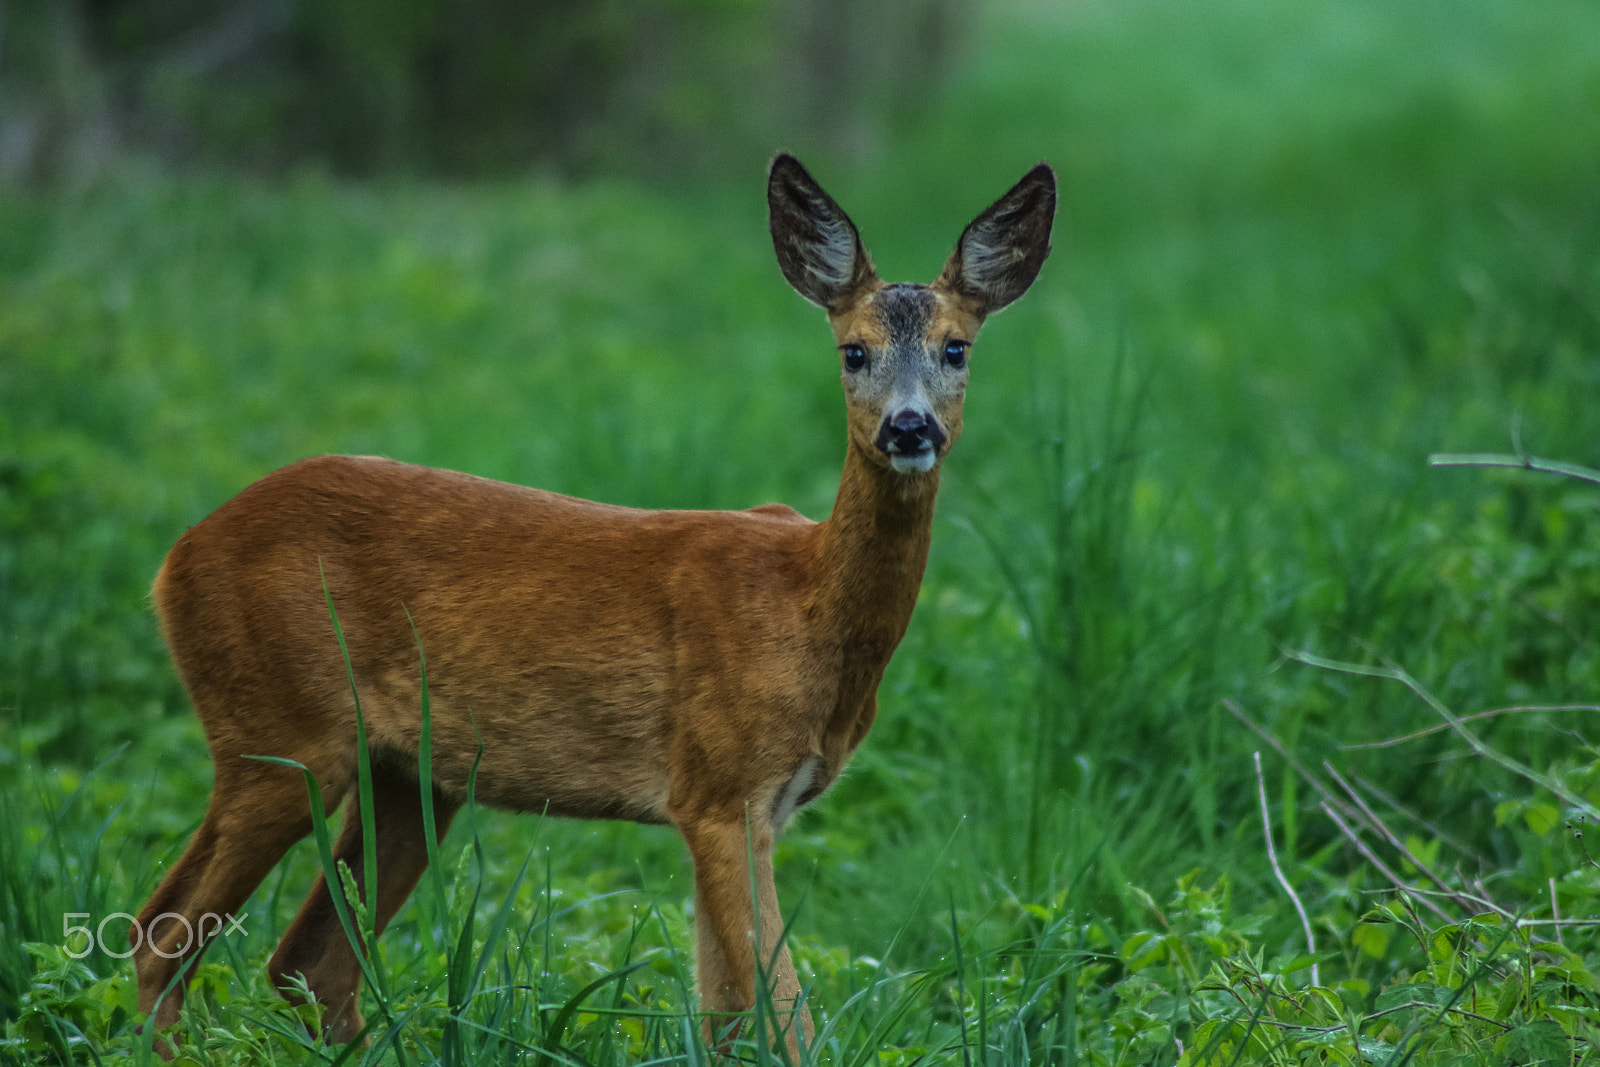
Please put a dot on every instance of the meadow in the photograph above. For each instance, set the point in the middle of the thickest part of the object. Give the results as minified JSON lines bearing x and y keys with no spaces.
{"x":1191,"y":565}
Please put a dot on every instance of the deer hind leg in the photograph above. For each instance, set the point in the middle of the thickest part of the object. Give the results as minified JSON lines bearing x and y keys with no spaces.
{"x":256,"y":814}
{"x":727,"y":958}
{"x":315,"y":945}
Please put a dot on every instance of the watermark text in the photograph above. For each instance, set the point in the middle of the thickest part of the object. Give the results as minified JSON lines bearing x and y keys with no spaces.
{"x":195,"y":934}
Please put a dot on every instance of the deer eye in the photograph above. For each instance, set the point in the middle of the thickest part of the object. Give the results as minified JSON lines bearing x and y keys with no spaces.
{"x":855,"y":357}
{"x":955,"y":353}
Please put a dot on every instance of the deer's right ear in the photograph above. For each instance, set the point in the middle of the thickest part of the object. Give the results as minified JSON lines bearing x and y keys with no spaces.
{"x":818,"y":247}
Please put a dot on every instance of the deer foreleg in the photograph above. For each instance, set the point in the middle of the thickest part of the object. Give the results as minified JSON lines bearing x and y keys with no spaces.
{"x":736,"y":940}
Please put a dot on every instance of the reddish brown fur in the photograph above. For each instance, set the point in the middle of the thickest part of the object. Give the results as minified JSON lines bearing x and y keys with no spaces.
{"x":663,"y":666}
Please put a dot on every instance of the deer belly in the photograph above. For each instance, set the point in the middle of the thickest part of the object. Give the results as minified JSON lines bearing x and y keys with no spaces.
{"x":557,"y":743}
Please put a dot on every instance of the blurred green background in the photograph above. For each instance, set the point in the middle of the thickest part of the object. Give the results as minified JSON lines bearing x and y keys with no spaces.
{"x":672,"y":90}
{"x":1300,"y":246}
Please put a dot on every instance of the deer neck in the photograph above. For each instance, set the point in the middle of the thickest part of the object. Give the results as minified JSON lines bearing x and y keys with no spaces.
{"x":871,"y":553}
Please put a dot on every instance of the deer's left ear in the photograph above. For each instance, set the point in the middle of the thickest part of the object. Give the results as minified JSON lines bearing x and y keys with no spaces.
{"x":1001,"y":251}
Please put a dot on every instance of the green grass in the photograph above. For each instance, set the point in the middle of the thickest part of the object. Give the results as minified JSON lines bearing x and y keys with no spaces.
{"x":1300,"y":247}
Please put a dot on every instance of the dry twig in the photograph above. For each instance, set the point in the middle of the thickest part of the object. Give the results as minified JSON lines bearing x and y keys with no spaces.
{"x":1388,"y":835}
{"x":1372,"y":857}
{"x":1517,"y":461}
{"x":1431,"y":828}
{"x":1272,"y":857}
{"x":1469,"y":718}
{"x":1404,"y":677}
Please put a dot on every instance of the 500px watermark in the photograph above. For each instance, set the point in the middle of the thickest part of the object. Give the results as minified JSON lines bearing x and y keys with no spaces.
{"x":197,"y":933}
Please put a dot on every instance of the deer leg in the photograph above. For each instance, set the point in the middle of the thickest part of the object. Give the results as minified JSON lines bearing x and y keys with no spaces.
{"x":315,"y":945}
{"x":727,"y":956}
{"x":255,"y":815}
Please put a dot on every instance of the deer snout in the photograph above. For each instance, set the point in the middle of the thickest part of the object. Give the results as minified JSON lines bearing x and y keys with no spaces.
{"x":911,"y":439}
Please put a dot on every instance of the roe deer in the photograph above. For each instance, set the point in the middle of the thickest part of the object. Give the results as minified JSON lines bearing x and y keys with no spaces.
{"x":711,"y":670}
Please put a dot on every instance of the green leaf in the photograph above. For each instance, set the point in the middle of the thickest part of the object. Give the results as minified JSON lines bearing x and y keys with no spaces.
{"x":1510,"y":996}
{"x":1143,"y":949}
{"x":1540,"y":1041}
{"x":1425,"y":850}
{"x":1412,"y":993}
{"x":1354,"y":987}
{"x":1542,"y":818}
{"x":1375,"y":1051}
{"x":1371,"y":939}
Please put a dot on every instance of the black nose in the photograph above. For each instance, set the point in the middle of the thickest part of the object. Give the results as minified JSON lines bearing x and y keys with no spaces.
{"x":909,"y":431}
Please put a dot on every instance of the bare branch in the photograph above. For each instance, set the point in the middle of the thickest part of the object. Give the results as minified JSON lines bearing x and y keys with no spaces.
{"x":1383,"y":868}
{"x":1469,"y":718}
{"x":1431,"y":828}
{"x":1398,"y":845}
{"x":1328,"y":795}
{"x":1404,"y":677}
{"x":1519,"y":462}
{"x":1272,"y":857}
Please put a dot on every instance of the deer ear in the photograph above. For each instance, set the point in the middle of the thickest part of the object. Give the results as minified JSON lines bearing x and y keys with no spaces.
{"x":1001,"y":251}
{"x":818,"y":248}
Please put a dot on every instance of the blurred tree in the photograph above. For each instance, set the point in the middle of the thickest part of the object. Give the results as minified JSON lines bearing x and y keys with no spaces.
{"x":457,"y":87}
{"x":55,"y":116}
